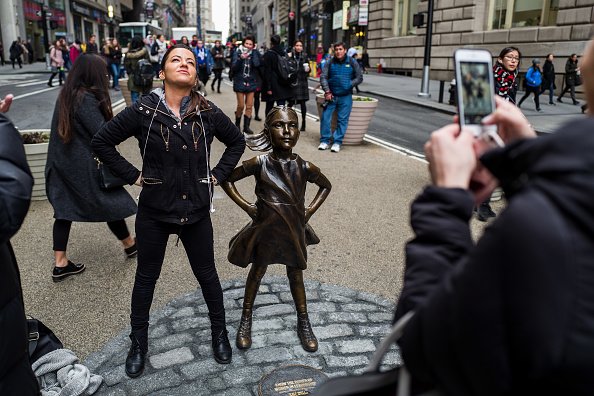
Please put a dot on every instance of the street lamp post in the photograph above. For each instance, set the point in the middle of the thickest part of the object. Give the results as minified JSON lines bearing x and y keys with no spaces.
{"x":427,"y":56}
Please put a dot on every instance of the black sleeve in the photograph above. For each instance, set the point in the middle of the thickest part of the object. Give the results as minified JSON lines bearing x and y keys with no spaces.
{"x":123,"y":126}
{"x":16,"y":182}
{"x":89,"y":115}
{"x":229,"y":135}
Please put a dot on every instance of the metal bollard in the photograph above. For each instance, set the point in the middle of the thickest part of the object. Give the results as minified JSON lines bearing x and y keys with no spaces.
{"x":441,"y":87}
{"x":453,"y":100}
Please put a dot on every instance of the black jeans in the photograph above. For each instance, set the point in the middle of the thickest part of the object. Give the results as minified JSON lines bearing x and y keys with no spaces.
{"x":535,"y":91}
{"x":571,"y":90}
{"x":218,"y":76}
{"x":62,"y":232}
{"x":203,"y":75}
{"x":151,"y":241}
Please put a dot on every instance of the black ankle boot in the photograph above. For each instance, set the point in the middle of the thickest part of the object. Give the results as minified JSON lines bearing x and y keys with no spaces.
{"x":302,"y":125}
{"x":135,"y":360}
{"x":221,"y":348}
{"x":246,"y":125}
{"x":238,"y":122}
{"x":257,"y":118}
{"x":309,"y":342}
{"x":243,"y":339}
{"x":219,"y":87}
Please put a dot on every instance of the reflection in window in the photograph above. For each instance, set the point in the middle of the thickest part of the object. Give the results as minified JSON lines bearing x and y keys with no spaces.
{"x":507,"y":14}
{"x":403,"y":17}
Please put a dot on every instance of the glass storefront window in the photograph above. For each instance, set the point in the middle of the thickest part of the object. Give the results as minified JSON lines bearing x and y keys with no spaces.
{"x":403,"y":12}
{"x":505,"y":14}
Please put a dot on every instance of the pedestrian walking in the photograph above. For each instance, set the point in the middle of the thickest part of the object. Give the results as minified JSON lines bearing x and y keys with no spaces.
{"x":533,"y":83}
{"x":505,"y":73}
{"x":158,"y":49}
{"x":56,"y":63}
{"x":339,"y":75}
{"x":319,"y":57}
{"x":246,"y":61}
{"x":16,"y":185}
{"x":71,"y":171}
{"x":274,"y":88}
{"x":301,"y":90}
{"x":184,"y":40}
{"x":205,"y":62}
{"x":174,"y":127}
{"x":218,"y":55}
{"x":115,"y":55}
{"x":91,"y":47}
{"x":510,"y":314}
{"x":30,"y":51}
{"x":16,"y":51}
{"x":548,"y":78}
{"x":572,"y":78}
{"x":2,"y":60}
{"x":279,"y":232}
{"x":25,"y":52}
{"x":137,"y":52}
{"x":75,"y":50}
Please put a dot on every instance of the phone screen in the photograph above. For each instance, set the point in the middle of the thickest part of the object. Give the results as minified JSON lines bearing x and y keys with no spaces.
{"x":477,"y":101}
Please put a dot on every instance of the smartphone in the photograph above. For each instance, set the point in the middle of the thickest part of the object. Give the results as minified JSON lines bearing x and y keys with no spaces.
{"x":475,"y":89}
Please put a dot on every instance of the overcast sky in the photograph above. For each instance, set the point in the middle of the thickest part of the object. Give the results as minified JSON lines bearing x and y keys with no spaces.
{"x":220,"y":16}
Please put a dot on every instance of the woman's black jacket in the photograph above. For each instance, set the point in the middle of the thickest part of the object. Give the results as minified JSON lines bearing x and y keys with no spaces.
{"x":175,"y":162}
{"x":570,"y":72}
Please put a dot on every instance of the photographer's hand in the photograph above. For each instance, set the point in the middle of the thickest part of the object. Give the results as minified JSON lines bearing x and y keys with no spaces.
{"x":451,"y":156}
{"x":5,"y":103}
{"x":511,"y":123}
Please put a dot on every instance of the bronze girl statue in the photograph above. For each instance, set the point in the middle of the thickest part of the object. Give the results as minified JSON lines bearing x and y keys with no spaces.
{"x":278,"y":232}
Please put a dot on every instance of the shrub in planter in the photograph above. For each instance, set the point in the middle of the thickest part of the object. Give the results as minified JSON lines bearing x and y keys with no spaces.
{"x":36,"y":142}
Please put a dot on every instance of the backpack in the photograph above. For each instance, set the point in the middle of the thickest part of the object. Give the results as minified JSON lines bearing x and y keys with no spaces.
{"x":287,"y":69}
{"x":143,"y":74}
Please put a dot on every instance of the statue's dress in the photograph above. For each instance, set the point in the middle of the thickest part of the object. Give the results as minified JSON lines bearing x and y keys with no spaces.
{"x":278,"y":234}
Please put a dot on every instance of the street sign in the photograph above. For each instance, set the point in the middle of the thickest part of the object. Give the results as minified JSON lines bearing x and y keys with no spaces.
{"x":48,"y":14}
{"x":324,"y":15}
{"x":38,"y":13}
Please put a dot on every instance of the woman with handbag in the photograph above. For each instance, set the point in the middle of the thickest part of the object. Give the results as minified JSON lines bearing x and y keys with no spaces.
{"x":301,"y":91}
{"x":57,"y":63}
{"x":175,"y":127}
{"x":71,"y":172}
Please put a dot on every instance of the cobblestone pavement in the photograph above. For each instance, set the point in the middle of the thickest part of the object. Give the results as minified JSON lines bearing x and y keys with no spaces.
{"x":349,"y":325}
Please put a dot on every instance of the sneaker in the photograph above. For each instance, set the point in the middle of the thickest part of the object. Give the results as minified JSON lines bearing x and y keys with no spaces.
{"x":131,"y":251}
{"x":335,"y":148}
{"x":61,"y":273}
{"x":323,"y":146}
{"x":559,"y":100}
{"x":117,"y":89}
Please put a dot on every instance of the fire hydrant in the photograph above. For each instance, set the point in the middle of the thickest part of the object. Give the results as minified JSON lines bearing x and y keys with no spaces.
{"x":379,"y":67}
{"x":453,"y":99}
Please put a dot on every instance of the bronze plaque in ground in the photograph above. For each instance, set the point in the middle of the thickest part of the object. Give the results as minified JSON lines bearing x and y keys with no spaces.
{"x":295,"y":380}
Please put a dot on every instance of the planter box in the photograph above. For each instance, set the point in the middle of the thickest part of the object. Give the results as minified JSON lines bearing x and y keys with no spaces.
{"x":36,"y":158}
{"x":359,"y":120}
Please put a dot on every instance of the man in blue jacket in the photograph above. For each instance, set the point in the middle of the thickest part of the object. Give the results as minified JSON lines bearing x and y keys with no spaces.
{"x":338,"y":78}
{"x":204,"y":61}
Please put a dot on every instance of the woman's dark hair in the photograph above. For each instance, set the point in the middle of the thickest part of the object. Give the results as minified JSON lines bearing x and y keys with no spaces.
{"x":297,"y":41}
{"x":251,"y":38}
{"x":507,"y":50}
{"x":136,"y":43}
{"x":184,"y":38}
{"x":86,"y":75}
{"x":197,"y":100}
{"x":275,"y":39}
{"x":547,"y":57}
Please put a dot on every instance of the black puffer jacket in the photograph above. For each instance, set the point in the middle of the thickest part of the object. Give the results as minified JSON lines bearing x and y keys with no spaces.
{"x":513,"y":315}
{"x":173,"y":172}
{"x":272,"y":81}
{"x":16,"y":184}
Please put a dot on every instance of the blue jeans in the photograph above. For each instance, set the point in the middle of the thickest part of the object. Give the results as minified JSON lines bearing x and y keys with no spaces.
{"x":134,"y":96}
{"x":115,"y":72}
{"x":342,"y":105}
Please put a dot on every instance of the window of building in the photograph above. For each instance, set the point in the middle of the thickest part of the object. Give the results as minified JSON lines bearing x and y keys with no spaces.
{"x":403,"y":17}
{"x":505,"y":14}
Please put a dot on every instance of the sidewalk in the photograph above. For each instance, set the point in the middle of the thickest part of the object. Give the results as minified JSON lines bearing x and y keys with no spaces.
{"x":406,"y":89}
{"x":37,"y":67}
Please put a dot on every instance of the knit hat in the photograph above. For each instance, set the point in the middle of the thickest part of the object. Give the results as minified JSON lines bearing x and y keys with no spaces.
{"x":536,"y":61}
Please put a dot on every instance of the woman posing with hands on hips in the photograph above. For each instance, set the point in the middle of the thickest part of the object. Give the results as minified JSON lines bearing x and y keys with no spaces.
{"x":175,"y":127}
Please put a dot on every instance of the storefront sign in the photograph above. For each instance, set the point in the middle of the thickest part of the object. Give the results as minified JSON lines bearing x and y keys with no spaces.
{"x":32,"y":10}
{"x":80,"y":9}
{"x":353,"y":15}
{"x":364,"y":3}
{"x":337,"y":20}
{"x":59,"y":16}
{"x":363,"y":16}
{"x":345,"y":11}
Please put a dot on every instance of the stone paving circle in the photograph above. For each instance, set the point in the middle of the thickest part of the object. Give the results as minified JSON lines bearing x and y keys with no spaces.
{"x":349,"y":326}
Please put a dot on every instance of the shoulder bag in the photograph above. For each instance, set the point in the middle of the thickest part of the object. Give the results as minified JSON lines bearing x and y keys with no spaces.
{"x":107,"y":180}
{"x":41,"y":339}
{"x":373,"y":382}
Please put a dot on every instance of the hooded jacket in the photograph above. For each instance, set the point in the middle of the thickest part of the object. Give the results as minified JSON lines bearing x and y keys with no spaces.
{"x":513,"y":315}
{"x":131,"y":64}
{"x":175,"y":158}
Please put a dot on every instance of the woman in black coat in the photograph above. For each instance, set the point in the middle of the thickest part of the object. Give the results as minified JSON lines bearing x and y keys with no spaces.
{"x":548,"y":78}
{"x":16,"y":51}
{"x":571,"y":78}
{"x":301,"y":90}
{"x":175,"y":127}
{"x":72,"y":177}
{"x":16,"y":184}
